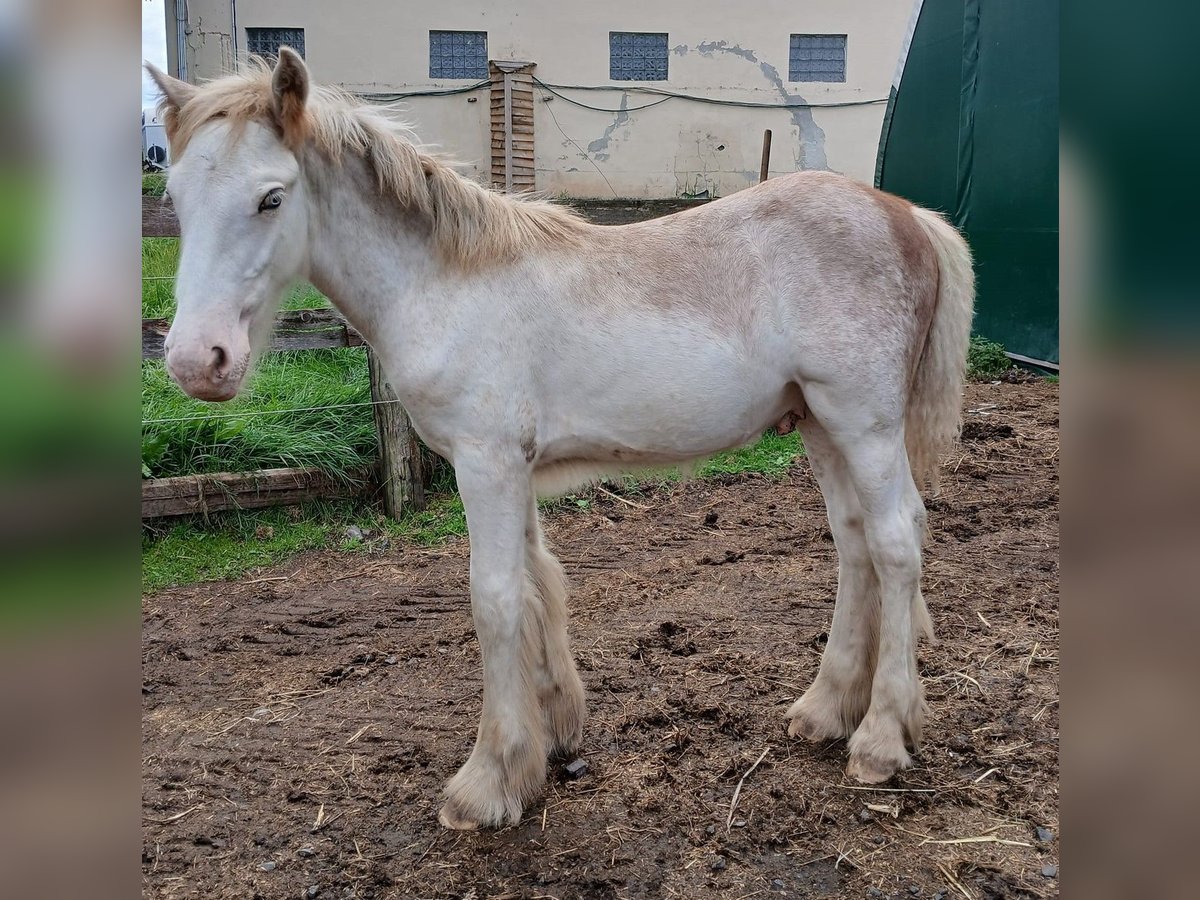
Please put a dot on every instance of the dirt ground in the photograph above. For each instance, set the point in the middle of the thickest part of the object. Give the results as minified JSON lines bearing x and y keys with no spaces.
{"x":298,"y":726}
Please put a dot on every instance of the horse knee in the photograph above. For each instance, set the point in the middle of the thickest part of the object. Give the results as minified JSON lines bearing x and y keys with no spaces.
{"x":895,"y":551}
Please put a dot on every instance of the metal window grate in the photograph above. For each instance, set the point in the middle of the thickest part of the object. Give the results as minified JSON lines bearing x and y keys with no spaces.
{"x":817,"y":57}
{"x":458,"y":54}
{"x":266,"y":41}
{"x":637,"y":56}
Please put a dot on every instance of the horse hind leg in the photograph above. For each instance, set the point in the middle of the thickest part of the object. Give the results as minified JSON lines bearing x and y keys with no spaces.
{"x":894,"y":526}
{"x":865,"y":423}
{"x":559,"y":689}
{"x":841,"y":693}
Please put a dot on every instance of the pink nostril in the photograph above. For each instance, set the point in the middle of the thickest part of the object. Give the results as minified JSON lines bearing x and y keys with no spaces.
{"x":221,"y":362}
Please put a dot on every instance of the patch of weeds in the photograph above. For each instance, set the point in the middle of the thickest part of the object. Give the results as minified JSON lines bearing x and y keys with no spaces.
{"x":442,"y":519}
{"x":154,"y":184}
{"x":986,"y":360}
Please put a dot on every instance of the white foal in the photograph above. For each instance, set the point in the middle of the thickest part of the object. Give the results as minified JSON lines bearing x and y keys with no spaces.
{"x":536,"y":352}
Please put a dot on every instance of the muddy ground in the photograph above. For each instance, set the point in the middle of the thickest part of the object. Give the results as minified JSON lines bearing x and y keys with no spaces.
{"x":299,"y":725}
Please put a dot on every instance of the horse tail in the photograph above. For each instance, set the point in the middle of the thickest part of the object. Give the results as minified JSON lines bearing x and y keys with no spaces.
{"x":934,"y":417}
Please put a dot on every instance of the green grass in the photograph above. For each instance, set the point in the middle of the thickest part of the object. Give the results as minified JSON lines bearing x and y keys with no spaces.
{"x":772,"y":456}
{"x":160,"y":258}
{"x":255,"y":431}
{"x":441,"y":520}
{"x":182,"y":436}
{"x":231,"y":544}
{"x":190,"y":551}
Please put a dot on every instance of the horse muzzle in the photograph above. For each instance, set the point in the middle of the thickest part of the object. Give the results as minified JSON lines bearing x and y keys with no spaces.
{"x":207,"y":371}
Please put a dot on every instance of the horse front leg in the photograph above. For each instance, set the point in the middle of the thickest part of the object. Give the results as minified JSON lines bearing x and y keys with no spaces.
{"x":507,"y":767}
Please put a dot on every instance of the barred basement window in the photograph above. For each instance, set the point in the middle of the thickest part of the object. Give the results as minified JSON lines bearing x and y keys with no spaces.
{"x":817,"y":57}
{"x":637,"y":56}
{"x":266,"y":41}
{"x":458,"y":54}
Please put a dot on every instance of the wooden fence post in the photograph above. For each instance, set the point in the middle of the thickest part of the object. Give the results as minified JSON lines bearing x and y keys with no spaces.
{"x":765,"y":169}
{"x":399,"y":454}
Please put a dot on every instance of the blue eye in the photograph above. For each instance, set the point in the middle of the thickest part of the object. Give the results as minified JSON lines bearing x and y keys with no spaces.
{"x":273,"y":200}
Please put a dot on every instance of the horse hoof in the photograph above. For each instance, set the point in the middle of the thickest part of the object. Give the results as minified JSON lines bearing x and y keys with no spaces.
{"x":452,"y":819}
{"x":804,"y":727}
{"x":872,"y":769}
{"x":812,"y":728}
{"x":815,"y":721}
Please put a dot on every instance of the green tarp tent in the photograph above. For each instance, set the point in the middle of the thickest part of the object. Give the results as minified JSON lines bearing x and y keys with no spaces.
{"x":972,"y":130}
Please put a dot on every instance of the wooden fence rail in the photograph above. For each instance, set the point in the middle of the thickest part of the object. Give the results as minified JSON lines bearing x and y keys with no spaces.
{"x":399,"y":474}
{"x":300,"y":329}
{"x":190,"y":494}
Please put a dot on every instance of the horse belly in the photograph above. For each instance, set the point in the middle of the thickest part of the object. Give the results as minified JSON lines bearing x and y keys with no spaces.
{"x":671,"y":410}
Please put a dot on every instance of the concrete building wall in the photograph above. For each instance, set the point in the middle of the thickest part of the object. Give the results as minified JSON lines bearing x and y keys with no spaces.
{"x":719,"y":50}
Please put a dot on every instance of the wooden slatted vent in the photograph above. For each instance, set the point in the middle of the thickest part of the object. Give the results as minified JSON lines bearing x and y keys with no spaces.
{"x":512,"y":125}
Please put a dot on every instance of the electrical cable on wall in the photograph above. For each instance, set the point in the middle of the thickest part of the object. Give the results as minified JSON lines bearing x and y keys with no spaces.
{"x":673,"y":95}
{"x":556,"y":90}
{"x":392,"y":97}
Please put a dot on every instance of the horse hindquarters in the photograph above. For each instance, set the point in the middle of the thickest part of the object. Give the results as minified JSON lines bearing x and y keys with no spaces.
{"x":885,"y":433}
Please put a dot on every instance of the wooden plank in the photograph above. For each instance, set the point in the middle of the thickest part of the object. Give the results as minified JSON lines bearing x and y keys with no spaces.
{"x":765,"y":168}
{"x":517,"y":171}
{"x":520,"y":157}
{"x":400,"y":477}
{"x":158,"y":217}
{"x":191,"y":494}
{"x":508,"y":133}
{"x":299,"y":329}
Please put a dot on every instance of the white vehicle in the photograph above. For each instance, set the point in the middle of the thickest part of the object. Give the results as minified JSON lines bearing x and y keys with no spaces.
{"x":154,"y":141}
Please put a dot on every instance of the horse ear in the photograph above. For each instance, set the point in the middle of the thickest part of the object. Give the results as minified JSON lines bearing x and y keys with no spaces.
{"x":176,"y":93}
{"x":289,"y":90}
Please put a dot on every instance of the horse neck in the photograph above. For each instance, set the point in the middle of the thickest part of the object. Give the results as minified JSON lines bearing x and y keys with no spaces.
{"x":367,"y":253}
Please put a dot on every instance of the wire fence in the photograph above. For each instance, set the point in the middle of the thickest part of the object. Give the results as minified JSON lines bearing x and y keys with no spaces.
{"x":250,"y":413}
